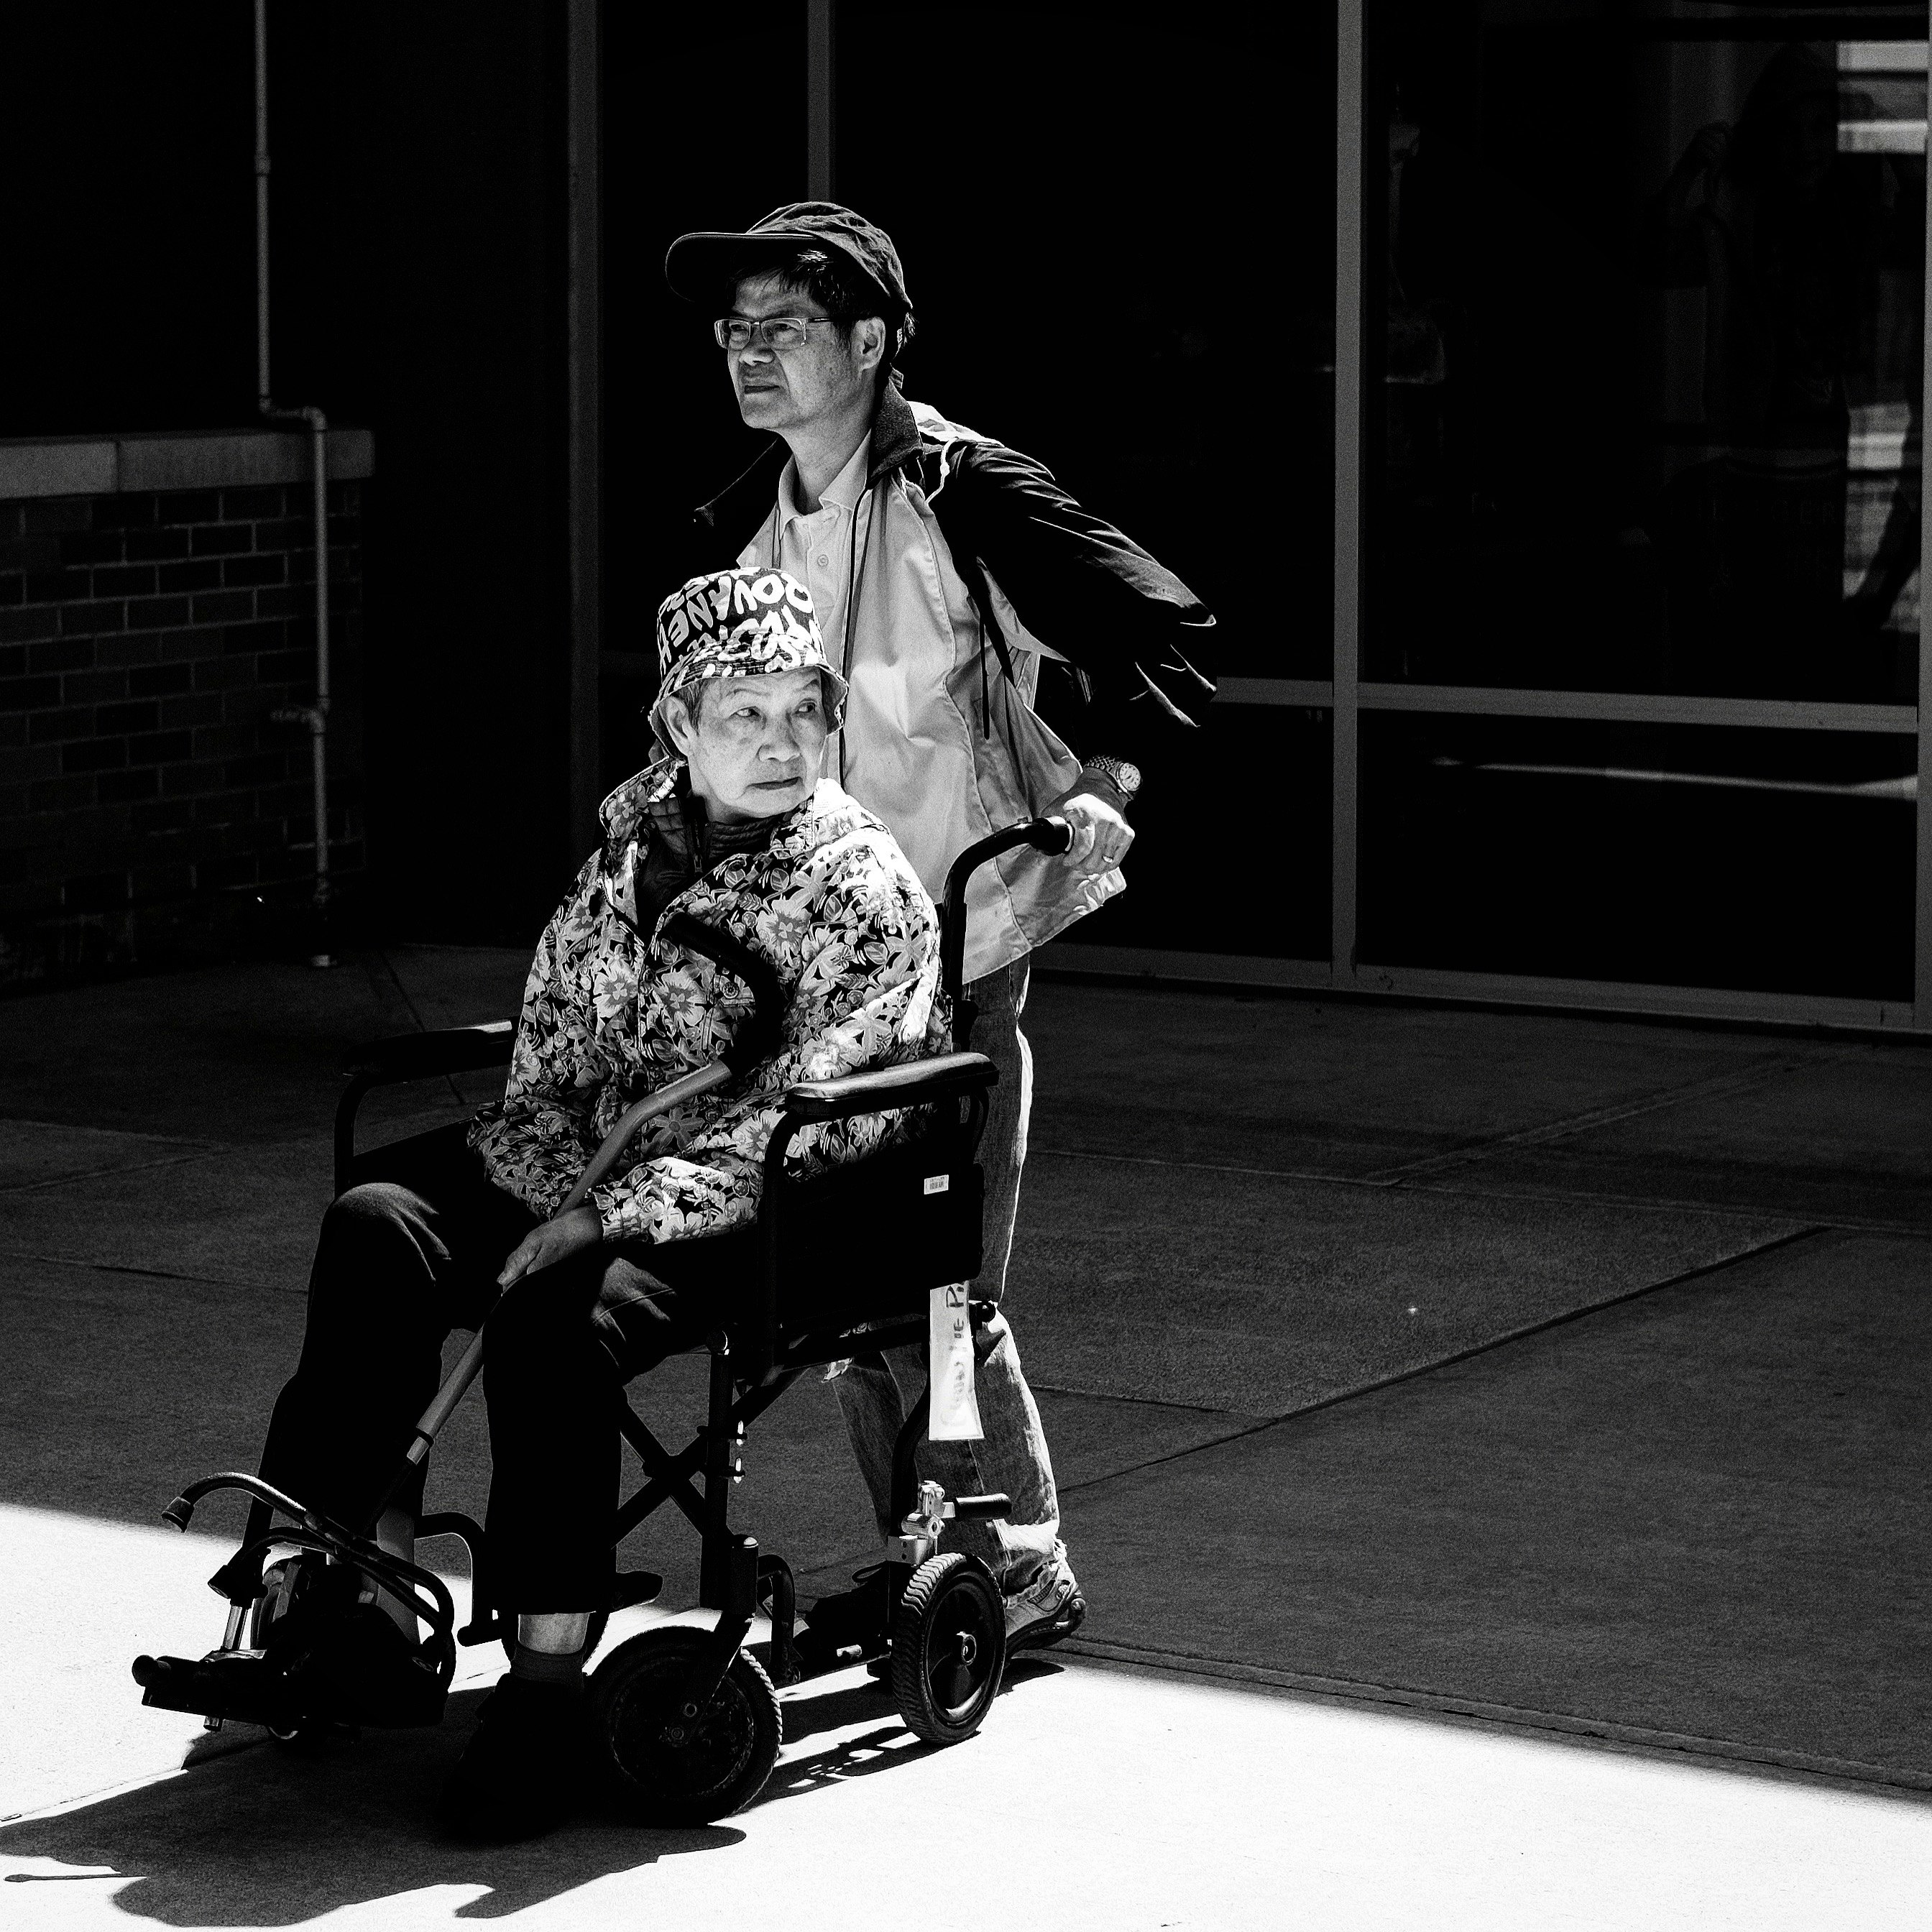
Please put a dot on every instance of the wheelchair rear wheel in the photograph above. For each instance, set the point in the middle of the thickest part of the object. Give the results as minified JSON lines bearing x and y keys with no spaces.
{"x":949,"y":1648}
{"x":679,"y":1772}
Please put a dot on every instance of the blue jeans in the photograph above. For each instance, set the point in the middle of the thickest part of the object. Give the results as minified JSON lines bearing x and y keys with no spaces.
{"x":876,"y":1391}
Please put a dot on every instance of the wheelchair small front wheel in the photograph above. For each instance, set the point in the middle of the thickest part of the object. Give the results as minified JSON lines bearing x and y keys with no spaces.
{"x":676,"y":1770}
{"x":949,"y":1648}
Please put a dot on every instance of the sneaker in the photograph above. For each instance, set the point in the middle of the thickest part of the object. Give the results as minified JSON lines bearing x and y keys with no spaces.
{"x":1046,"y":1611}
{"x":522,"y":1771}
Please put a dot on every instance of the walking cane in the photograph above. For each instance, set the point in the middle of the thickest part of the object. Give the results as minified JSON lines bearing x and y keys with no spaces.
{"x":757,"y":1039}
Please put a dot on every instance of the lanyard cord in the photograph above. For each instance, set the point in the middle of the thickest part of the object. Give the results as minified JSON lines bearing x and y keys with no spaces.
{"x":855,"y":563}
{"x":855,"y":559}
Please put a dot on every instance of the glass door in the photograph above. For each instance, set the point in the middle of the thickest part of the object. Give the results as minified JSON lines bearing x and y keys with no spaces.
{"x":1640,"y":407}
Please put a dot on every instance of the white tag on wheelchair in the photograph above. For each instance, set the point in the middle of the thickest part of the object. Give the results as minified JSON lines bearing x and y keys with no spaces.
{"x":955,"y":1416}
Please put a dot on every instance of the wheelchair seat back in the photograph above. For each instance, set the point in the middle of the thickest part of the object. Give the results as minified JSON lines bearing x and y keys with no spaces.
{"x":863,"y":1243}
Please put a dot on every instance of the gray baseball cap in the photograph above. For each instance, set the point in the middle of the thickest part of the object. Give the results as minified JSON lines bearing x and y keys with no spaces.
{"x":698,"y":266}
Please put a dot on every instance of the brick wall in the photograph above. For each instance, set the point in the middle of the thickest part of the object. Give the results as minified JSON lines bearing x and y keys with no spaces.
{"x":144,"y":792}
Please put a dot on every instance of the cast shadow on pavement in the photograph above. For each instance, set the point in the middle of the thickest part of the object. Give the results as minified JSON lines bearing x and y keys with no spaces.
{"x":270,"y":1837}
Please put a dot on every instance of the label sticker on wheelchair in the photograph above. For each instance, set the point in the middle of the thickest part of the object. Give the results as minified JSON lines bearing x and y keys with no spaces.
{"x":937,"y":1184}
{"x":955,"y":1414}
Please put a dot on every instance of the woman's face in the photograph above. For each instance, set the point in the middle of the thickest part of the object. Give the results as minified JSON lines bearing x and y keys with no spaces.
{"x":756,"y":745}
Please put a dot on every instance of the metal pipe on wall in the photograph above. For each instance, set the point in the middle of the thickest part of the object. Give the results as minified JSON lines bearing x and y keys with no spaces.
{"x":821,"y":91}
{"x":315,"y":716}
{"x":584,"y":323}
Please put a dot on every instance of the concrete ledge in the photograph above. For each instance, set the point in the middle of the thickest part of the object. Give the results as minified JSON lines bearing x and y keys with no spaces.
{"x":83,"y":465}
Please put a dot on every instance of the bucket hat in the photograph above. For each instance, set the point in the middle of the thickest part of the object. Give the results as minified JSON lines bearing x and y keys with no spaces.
{"x":753,"y":622}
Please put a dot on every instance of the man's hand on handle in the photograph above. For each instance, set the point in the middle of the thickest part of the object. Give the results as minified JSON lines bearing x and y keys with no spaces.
{"x":1089,"y":804}
{"x":555,"y":1240}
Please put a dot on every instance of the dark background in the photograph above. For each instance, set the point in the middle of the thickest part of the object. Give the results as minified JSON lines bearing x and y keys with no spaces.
{"x":418,"y":272}
{"x":1117,"y":225}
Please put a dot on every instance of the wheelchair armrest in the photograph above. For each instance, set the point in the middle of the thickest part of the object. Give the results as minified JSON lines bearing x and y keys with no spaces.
{"x":912,"y":1084}
{"x":411,"y":1056}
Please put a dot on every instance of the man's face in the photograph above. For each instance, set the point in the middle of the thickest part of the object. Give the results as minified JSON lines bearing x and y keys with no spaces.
{"x":782,"y":389}
{"x":757,"y":746}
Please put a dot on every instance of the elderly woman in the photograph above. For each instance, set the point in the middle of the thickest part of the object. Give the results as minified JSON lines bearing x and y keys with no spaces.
{"x":739,"y":828}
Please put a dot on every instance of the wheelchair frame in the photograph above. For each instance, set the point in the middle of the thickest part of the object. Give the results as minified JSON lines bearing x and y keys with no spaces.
{"x":753,"y":1361}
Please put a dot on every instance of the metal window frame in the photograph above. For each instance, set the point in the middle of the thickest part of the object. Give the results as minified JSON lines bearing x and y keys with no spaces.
{"x":1352,"y":696}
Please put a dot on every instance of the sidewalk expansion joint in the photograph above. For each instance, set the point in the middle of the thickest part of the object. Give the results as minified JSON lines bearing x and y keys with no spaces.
{"x":1404,"y":1173}
{"x":1149,"y":1402}
{"x":101,"y":1173}
{"x":1712,"y":1086}
{"x":1563,"y":1725}
{"x":147,"y":1273}
{"x":1813,"y":1232}
{"x":1849,"y":1224}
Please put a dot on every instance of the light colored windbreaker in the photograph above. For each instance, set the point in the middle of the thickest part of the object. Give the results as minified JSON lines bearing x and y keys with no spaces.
{"x":611,"y":1013}
{"x":937,"y":740}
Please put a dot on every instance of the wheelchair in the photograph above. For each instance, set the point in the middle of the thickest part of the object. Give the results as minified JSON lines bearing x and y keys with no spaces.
{"x":686,"y":1718}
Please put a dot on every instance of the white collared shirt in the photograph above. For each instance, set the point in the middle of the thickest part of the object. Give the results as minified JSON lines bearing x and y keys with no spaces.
{"x":916,"y":748}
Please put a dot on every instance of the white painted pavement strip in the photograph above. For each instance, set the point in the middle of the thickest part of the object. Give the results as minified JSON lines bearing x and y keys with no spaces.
{"x":1097,"y":1797}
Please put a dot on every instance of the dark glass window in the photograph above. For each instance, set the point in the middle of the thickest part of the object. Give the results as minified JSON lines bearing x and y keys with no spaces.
{"x":1118,"y":227}
{"x":1646,"y":294}
{"x":1232,"y":853}
{"x":704,"y":127}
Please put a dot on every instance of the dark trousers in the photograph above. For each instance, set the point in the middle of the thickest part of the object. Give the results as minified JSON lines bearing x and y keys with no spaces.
{"x":414,"y":1251}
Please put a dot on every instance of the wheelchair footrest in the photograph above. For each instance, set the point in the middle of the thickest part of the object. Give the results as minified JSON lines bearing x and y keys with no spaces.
{"x":980,"y":1509}
{"x":847,"y":1627}
{"x":240,"y":1686}
{"x":631,"y":1587}
{"x":249,"y":1687}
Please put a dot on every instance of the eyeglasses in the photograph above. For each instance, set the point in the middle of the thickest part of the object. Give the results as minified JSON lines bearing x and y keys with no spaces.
{"x":774,"y":332}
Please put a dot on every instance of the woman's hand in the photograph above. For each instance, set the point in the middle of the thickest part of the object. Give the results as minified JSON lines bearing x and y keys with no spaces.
{"x":555,"y":1240}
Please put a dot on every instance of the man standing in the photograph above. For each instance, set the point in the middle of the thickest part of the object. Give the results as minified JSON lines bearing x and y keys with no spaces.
{"x":943,"y":566}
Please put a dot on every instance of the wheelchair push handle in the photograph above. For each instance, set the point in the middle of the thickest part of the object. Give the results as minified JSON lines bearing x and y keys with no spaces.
{"x":1050,"y":836}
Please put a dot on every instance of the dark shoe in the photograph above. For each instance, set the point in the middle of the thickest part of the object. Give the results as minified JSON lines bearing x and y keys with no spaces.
{"x":346,"y":1661}
{"x":331,"y":1661}
{"x":522,"y":1772}
{"x":1045,"y":1612}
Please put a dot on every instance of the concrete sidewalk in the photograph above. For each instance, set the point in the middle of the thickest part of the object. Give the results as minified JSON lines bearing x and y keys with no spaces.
{"x":1250,"y":1225}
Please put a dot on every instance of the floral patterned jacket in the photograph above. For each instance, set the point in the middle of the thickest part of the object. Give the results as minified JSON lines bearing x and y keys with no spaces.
{"x":611,"y":1013}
